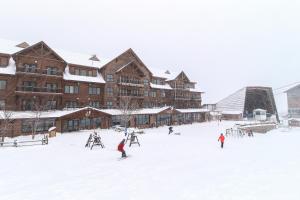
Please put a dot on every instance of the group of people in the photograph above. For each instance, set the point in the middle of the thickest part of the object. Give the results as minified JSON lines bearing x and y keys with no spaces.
{"x":121,"y":145}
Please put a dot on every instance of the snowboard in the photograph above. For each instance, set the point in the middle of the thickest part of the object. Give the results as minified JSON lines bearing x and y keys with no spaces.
{"x":124,"y":158}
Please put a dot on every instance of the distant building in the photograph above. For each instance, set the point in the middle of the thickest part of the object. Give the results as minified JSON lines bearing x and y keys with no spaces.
{"x":242,"y":103}
{"x":293,"y":99}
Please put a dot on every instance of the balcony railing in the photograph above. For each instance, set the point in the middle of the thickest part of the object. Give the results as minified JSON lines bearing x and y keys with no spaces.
{"x":46,"y":72}
{"x":130,"y":95}
{"x":38,"y":89}
{"x":133,"y":83}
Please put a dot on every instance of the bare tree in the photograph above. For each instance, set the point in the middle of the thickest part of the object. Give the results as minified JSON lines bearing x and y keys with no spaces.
{"x":38,"y":111}
{"x":127,"y":107}
{"x":5,"y":122}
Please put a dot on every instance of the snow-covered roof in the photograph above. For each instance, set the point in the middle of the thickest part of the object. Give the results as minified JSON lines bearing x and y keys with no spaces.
{"x":193,"y":110}
{"x":161,"y":73}
{"x":137,"y":112}
{"x":92,"y":79}
{"x":9,"y":46}
{"x":10,"y":69}
{"x":231,"y":112}
{"x":165,"y":86}
{"x":81,"y":59}
{"x":259,"y":110}
{"x":44,"y":114}
{"x":294,"y":119}
{"x":234,"y":102}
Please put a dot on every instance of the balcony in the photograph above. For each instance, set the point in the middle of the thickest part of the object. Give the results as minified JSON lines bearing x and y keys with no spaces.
{"x":131,"y":95}
{"x":38,"y":71}
{"x":131,"y":83}
{"x":38,"y":90}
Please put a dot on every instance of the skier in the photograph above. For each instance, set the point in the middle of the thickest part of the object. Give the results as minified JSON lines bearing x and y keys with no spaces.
{"x":90,"y":140}
{"x":170,"y":130}
{"x":221,"y":139}
{"x":121,"y":148}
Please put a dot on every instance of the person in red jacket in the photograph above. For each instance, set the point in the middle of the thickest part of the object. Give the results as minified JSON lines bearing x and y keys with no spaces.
{"x":221,"y":139}
{"x":121,"y":148}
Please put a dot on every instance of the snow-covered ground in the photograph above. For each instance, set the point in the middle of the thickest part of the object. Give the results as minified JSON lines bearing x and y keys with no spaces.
{"x":186,"y":166}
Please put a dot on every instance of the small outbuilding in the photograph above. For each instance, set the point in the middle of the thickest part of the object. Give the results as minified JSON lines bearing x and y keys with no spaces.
{"x":260,"y":114}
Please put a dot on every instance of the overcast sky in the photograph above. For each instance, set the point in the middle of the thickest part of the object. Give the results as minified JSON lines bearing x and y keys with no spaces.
{"x":224,"y":45}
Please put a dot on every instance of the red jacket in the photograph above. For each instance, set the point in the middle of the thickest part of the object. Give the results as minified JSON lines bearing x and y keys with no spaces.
{"x":221,"y":138}
{"x":121,"y":146}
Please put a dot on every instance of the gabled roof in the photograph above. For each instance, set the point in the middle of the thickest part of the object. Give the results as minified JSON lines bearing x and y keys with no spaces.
{"x":44,"y":45}
{"x":126,"y":52}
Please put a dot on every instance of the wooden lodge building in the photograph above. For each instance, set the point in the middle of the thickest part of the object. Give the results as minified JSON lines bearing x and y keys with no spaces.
{"x":61,"y":87}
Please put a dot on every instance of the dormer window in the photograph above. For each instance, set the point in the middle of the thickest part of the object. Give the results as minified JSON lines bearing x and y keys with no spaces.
{"x":3,"y":62}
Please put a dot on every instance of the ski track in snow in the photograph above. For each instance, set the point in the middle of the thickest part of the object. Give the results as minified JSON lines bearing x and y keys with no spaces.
{"x":189,"y":166}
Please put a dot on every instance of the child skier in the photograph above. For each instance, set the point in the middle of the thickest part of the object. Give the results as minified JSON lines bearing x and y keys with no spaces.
{"x":121,"y":148}
{"x":170,"y":130}
{"x":221,"y":139}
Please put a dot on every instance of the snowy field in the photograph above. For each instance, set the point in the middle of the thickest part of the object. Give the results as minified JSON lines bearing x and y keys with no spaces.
{"x":189,"y":166}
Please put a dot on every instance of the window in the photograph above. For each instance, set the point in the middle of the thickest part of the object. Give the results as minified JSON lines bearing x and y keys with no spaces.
{"x":3,"y":62}
{"x":28,"y":104}
{"x":30,"y":68}
{"x":71,"y":104}
{"x":109,"y":78}
{"x":109,"y":91}
{"x":109,"y":104}
{"x":146,"y":93}
{"x":95,"y":104}
{"x":2,"y":85}
{"x":41,"y":126}
{"x":146,"y":82}
{"x":153,"y":94}
{"x":90,"y":73}
{"x":52,"y":71}
{"x":162,"y":93}
{"x":142,"y":119}
{"x":51,"y":87}
{"x":70,"y":89}
{"x":51,"y":105}
{"x":94,"y":90}
{"x":82,"y":72}
{"x":29,"y":86}
{"x":77,"y":72}
{"x":2,"y":104}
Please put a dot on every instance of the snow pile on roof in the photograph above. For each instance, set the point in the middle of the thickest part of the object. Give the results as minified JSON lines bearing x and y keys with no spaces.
{"x":156,"y":86}
{"x":9,"y":47}
{"x":80,"y":59}
{"x":235,"y":102}
{"x":10,"y":69}
{"x":166,"y":74}
{"x":193,"y":110}
{"x":92,"y":79}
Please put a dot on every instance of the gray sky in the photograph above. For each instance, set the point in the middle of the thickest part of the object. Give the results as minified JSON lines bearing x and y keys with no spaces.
{"x":224,"y":45}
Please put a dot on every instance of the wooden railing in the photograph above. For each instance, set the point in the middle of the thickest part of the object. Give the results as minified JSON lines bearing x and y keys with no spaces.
{"x":38,"y":89}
